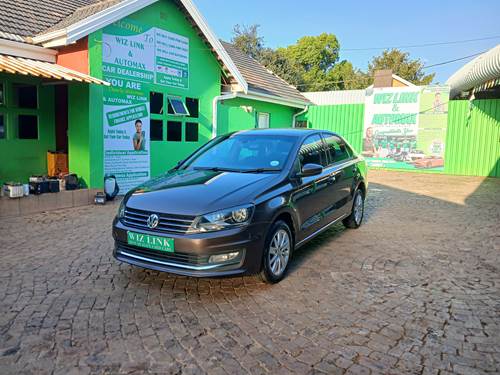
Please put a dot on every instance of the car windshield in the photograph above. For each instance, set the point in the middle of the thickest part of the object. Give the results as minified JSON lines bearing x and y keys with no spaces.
{"x":246,"y":153}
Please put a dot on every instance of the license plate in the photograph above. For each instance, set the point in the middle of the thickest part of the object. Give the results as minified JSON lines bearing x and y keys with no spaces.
{"x":151,"y":242}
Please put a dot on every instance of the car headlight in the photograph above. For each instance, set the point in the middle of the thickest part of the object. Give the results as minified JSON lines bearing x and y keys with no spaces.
{"x":121,"y":210}
{"x":224,"y":219}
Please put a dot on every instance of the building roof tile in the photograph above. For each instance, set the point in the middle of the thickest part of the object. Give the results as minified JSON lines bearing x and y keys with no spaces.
{"x":27,"y":18}
{"x":261,"y":80}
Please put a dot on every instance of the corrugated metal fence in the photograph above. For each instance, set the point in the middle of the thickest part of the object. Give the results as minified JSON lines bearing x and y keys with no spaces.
{"x":472,"y":140}
{"x":345,"y":119}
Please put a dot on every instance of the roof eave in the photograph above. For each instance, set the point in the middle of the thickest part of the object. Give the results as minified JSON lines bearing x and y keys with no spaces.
{"x":101,"y":19}
{"x":93,"y":23}
{"x":215,"y":42}
{"x":29,"y":51}
{"x":273,"y":99}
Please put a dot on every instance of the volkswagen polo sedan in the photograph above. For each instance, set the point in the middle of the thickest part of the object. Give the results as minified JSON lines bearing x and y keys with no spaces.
{"x":242,"y":204}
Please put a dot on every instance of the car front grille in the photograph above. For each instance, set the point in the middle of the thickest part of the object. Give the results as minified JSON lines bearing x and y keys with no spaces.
{"x":177,"y":258}
{"x":168,"y":223}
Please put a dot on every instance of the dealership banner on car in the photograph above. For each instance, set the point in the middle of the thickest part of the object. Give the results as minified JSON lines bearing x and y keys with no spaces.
{"x":134,"y":54}
{"x":405,"y":127}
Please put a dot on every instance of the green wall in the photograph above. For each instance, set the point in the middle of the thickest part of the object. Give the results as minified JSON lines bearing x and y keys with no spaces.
{"x":204,"y":84}
{"x":232,"y":116}
{"x":472,"y":138}
{"x":346,"y":119}
{"x":22,"y":158}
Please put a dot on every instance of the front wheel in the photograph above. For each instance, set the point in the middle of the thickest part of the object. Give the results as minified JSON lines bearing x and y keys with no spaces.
{"x":277,"y":253}
{"x":355,"y":219}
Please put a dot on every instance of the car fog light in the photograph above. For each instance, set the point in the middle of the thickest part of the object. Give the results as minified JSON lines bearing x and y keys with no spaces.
{"x":221,"y":258}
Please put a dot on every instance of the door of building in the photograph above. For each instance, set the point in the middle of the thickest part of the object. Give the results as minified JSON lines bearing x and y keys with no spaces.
{"x":61,"y":117}
{"x":263,"y":120}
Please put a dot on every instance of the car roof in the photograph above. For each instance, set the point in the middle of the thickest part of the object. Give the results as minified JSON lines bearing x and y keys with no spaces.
{"x":293,"y":132}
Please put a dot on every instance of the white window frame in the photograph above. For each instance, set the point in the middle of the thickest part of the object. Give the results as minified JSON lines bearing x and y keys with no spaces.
{"x":266,"y":117}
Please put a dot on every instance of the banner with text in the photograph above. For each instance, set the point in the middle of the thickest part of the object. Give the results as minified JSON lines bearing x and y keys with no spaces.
{"x":134,"y":57}
{"x":126,"y":138}
{"x":133,"y":54}
{"x":405,"y":127}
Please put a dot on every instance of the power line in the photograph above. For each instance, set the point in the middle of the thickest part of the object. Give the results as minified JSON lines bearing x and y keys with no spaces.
{"x":324,"y":83}
{"x":454,"y":60}
{"x":423,"y":45}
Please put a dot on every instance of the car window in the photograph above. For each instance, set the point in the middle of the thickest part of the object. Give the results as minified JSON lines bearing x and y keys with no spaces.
{"x":245,"y":152}
{"x":312,"y":151}
{"x":336,"y":149}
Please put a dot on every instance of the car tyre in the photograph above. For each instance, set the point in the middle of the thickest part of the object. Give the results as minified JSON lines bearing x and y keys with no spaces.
{"x":354,"y":220}
{"x":277,"y":253}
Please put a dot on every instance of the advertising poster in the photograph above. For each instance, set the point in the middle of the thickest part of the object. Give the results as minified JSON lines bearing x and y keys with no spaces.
{"x":126,"y":138}
{"x":405,"y":127}
{"x":135,"y":57}
{"x":133,"y":54}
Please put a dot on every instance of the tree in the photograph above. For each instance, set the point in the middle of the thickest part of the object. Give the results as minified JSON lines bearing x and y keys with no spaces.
{"x":401,"y":64}
{"x":277,"y":62}
{"x":315,"y":58}
{"x":315,"y":53}
{"x":247,"y":39}
{"x":343,"y":76}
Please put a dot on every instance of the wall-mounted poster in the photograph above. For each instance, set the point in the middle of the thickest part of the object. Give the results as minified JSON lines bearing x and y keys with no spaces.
{"x":405,"y":128}
{"x":133,"y":53}
{"x":126,"y":138}
{"x":135,"y":57}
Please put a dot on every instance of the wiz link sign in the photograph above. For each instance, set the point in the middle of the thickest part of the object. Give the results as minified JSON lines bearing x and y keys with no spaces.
{"x":134,"y":53}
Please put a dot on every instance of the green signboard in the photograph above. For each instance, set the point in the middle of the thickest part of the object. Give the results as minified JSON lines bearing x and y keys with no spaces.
{"x":405,"y":127}
{"x":134,"y":53}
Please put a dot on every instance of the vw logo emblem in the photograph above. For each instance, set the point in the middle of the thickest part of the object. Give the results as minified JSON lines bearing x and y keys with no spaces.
{"x":153,"y":221}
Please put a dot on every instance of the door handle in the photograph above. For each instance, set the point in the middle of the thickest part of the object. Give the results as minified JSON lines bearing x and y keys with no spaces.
{"x":331,"y":179}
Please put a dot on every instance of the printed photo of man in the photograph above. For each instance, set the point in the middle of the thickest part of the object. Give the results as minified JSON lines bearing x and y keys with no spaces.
{"x":139,"y":139}
{"x":368,"y":144}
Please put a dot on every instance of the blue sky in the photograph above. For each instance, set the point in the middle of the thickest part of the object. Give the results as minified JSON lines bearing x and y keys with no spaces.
{"x":366,"y":24}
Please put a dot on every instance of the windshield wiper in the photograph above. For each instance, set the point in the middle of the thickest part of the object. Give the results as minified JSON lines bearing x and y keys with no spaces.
{"x":216,"y":169}
{"x":260,"y":170}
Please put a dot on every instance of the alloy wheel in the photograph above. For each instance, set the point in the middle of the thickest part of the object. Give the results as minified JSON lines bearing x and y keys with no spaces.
{"x":279,"y":252}
{"x":358,"y":208}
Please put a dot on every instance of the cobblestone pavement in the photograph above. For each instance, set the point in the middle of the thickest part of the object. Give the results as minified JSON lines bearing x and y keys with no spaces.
{"x":416,"y":290}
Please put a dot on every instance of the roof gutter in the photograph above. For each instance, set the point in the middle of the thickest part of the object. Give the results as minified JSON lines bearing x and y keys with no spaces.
{"x":273,"y":99}
{"x":297,"y":115}
{"x":215,"y":105}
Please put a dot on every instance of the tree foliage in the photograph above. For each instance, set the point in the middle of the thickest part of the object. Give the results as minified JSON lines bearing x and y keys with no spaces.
{"x":401,"y":64}
{"x":312,"y":63}
{"x":247,"y":39}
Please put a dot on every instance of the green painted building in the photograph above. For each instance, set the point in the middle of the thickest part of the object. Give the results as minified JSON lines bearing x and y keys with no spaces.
{"x":126,"y":88}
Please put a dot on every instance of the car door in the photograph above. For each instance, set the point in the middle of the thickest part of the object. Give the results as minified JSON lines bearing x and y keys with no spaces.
{"x":341,"y":171}
{"x":310,"y":193}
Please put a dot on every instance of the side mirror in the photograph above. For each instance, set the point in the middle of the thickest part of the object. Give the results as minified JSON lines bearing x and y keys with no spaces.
{"x":311,"y":170}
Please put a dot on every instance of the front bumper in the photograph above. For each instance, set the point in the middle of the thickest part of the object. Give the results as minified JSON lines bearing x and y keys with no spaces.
{"x":192,"y":251}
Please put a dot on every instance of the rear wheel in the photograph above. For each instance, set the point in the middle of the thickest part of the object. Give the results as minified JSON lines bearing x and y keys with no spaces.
{"x":355,"y":219}
{"x":277,"y":253}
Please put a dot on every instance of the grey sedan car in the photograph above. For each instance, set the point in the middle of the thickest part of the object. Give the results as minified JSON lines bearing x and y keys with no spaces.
{"x":242,"y":203}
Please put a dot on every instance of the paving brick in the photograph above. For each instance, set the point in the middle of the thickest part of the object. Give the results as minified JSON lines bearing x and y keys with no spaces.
{"x":414,"y":290}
